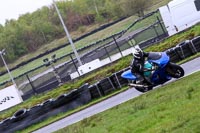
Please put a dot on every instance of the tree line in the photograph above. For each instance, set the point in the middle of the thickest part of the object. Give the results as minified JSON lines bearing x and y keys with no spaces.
{"x":32,"y":30}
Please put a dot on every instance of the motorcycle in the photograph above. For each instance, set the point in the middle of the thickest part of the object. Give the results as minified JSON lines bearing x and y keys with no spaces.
{"x":157,"y":70}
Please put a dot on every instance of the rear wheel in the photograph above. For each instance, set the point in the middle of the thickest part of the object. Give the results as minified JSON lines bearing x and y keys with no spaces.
{"x":175,"y":71}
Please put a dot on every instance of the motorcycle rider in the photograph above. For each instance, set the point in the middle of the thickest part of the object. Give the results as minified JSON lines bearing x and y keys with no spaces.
{"x":137,"y":65}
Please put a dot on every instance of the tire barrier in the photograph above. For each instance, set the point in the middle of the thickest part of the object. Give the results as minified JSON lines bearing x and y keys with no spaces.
{"x":5,"y":124}
{"x":196,"y":43}
{"x":84,"y":93}
{"x":173,"y":55}
{"x":47,"y":105}
{"x":106,"y":86}
{"x":95,"y":91}
{"x":117,"y":81}
{"x":19,"y":115}
{"x":121,"y":80}
{"x":36,"y":111}
{"x":15,"y":122}
{"x":184,"y":49}
{"x":51,"y":107}
{"x":62,"y":99}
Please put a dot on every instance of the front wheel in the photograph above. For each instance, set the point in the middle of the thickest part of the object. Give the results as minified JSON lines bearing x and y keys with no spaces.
{"x":175,"y":71}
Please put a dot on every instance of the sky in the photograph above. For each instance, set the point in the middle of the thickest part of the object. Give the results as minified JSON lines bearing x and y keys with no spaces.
{"x":12,"y":9}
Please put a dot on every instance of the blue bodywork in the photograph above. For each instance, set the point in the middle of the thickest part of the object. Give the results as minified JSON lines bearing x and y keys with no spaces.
{"x":159,"y":76}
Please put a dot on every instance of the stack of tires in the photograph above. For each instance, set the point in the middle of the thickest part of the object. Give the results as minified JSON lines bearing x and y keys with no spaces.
{"x":184,"y":49}
{"x":51,"y":107}
{"x":108,"y":85}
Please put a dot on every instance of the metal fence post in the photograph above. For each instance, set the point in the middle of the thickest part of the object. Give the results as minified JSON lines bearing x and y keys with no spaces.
{"x":117,"y":46}
{"x":156,"y":31}
{"x":107,"y":52}
{"x":161,"y":25}
{"x":34,"y":90}
{"x":74,"y":64}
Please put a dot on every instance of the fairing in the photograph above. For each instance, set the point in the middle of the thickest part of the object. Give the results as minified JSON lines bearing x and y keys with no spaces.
{"x":128,"y":75}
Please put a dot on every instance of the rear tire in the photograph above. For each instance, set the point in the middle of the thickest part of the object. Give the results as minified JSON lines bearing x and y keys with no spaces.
{"x":175,"y":71}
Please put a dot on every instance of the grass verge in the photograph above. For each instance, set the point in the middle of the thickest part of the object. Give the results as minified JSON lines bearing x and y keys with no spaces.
{"x":171,"y":108}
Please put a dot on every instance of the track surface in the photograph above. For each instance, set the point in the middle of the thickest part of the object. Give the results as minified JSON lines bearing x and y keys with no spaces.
{"x":189,"y":67}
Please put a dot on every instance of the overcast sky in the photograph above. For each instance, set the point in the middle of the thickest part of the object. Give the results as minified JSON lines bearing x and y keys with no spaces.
{"x":12,"y":9}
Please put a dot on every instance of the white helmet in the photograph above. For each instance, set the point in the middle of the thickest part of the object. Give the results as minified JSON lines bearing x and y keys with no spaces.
{"x":138,"y":54}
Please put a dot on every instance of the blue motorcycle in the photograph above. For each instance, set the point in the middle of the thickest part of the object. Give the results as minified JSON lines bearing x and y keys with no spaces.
{"x":157,"y":70}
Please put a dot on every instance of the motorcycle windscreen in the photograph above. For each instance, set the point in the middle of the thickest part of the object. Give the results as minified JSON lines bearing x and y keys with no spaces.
{"x":128,"y":75}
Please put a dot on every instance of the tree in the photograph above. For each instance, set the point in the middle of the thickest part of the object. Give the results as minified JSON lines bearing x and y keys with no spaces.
{"x":113,"y":8}
{"x":136,"y":7}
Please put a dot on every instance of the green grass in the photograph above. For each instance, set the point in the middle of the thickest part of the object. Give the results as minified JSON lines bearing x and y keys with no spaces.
{"x":171,"y":108}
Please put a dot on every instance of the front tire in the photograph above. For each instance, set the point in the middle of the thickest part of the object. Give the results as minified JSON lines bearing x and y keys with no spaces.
{"x":175,"y":71}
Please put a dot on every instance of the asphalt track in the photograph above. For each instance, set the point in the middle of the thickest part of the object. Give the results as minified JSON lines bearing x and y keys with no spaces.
{"x":189,"y":67}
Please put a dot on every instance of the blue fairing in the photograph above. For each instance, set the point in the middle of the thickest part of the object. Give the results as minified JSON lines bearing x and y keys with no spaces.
{"x":128,"y":75}
{"x":163,"y":61}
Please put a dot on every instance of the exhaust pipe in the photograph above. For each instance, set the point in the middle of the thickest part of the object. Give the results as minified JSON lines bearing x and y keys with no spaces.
{"x":138,"y":85}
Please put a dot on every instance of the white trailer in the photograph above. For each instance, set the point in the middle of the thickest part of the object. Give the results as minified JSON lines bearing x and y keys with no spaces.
{"x":180,"y":14}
